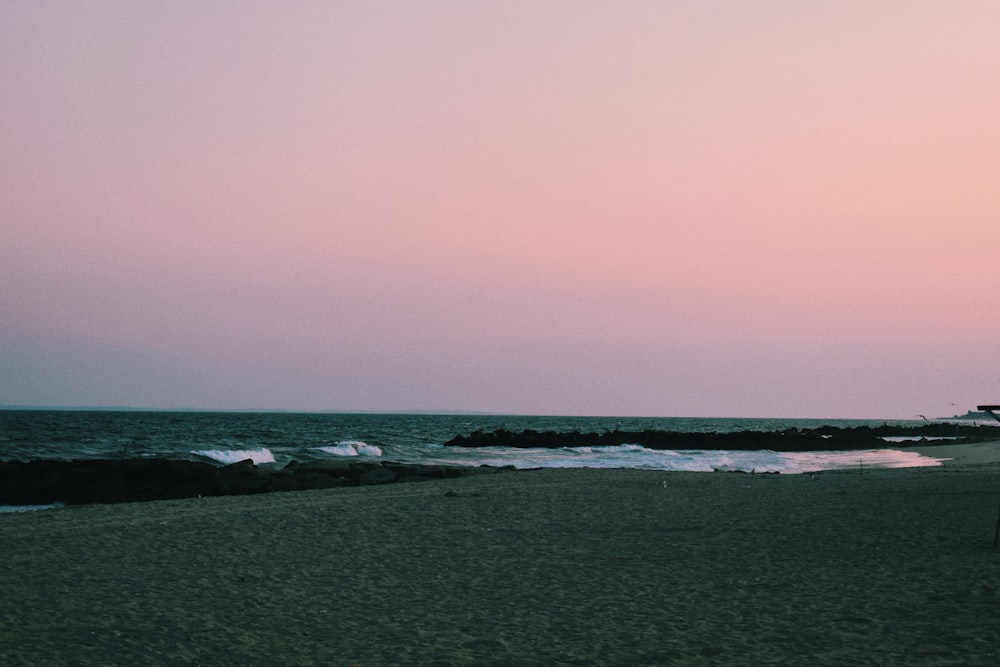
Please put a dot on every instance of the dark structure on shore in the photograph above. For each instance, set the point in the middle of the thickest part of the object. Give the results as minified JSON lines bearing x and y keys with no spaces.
{"x":992,"y":409}
{"x":130,"y":480}
{"x":135,"y":480}
{"x":827,"y":438}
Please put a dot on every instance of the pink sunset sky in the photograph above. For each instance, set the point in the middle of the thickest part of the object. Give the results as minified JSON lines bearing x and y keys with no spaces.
{"x":741,"y":209}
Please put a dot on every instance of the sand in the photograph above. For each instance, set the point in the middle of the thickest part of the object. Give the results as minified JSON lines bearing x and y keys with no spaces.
{"x":977,"y":453}
{"x":548,"y":567}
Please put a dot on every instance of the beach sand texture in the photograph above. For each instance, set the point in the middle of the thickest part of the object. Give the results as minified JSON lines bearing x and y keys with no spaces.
{"x":546,"y":567}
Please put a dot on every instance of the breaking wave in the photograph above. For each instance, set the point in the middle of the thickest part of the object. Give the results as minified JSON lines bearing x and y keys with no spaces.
{"x":351,"y":448}
{"x":228,"y":456}
{"x":691,"y":460}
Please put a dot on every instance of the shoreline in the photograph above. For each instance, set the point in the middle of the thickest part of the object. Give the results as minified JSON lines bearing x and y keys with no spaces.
{"x":964,"y":454}
{"x":539,"y":567}
{"x":81,"y":482}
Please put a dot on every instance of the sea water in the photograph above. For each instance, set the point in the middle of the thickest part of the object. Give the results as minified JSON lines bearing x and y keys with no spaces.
{"x":275,"y":439}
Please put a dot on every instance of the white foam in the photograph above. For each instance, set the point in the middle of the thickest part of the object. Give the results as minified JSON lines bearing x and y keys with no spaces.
{"x":607,"y":449}
{"x":228,"y":456}
{"x":9,"y":509}
{"x":691,"y":460}
{"x":352,"y":448}
{"x":916,"y":438}
{"x":798,"y":462}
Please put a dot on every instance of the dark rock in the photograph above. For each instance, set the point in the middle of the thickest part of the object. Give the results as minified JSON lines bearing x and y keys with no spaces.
{"x":826,"y":438}
{"x":242,"y":478}
{"x":337,"y":468}
{"x":104,"y":481}
{"x":417,"y":473}
{"x":321,"y":475}
{"x":130,"y":480}
{"x":377,"y":476}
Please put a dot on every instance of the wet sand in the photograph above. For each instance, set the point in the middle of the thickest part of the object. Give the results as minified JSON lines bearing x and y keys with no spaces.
{"x":977,"y":453}
{"x":546,"y":567}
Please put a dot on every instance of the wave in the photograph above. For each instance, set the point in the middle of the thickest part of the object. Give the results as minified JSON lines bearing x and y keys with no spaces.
{"x":9,"y":509}
{"x":351,"y":448}
{"x":916,"y":438}
{"x":802,"y":462}
{"x":606,"y":449}
{"x":689,"y":460}
{"x":228,"y":456}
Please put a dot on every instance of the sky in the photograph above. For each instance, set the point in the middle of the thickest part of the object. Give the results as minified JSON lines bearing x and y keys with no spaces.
{"x":706,"y":208}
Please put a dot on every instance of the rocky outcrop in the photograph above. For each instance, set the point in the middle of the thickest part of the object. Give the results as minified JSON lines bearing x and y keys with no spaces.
{"x":828,"y":438}
{"x":134,"y":480}
{"x":745,"y":440}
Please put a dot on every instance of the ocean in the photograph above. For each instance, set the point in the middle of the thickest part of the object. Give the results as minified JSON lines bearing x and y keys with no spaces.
{"x":277,"y":438}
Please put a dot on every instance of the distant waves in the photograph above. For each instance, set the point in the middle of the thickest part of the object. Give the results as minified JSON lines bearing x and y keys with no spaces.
{"x":352,"y":448}
{"x":620,"y":456}
{"x":637,"y":457}
{"x":263,"y":455}
{"x":227,"y":456}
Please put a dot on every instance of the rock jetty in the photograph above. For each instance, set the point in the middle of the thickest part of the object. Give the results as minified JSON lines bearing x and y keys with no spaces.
{"x":83,"y":482}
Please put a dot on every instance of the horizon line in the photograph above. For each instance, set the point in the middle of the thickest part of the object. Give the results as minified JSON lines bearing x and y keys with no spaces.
{"x":423,"y":411}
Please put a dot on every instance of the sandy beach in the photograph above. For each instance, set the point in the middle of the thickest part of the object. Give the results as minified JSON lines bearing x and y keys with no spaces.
{"x":544,"y":567}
